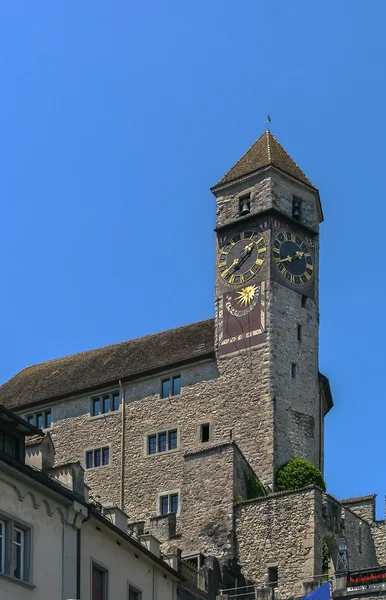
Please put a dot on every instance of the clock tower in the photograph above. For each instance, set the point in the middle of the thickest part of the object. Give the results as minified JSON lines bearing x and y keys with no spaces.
{"x":267,"y":257}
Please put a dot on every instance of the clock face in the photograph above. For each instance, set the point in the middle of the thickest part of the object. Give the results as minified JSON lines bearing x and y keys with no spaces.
{"x":293,"y":258}
{"x":242,"y":256}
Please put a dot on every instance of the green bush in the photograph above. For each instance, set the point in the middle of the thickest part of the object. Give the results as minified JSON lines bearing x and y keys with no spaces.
{"x":298,"y":473}
{"x":253,"y":486}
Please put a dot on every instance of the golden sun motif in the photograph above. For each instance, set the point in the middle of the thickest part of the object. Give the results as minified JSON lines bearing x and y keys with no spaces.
{"x":246,"y":295}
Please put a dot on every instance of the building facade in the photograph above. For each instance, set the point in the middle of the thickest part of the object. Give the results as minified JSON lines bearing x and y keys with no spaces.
{"x":172,"y":427}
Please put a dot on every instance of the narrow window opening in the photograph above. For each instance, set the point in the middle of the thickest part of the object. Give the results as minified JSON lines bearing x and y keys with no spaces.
{"x":273,"y":576}
{"x":299,"y":333}
{"x":244,"y":205}
{"x":205,"y":432}
{"x":296,"y":208}
{"x":293,"y":370}
{"x":304,"y":301}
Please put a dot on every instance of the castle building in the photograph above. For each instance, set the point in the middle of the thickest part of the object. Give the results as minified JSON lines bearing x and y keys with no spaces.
{"x":172,"y":427}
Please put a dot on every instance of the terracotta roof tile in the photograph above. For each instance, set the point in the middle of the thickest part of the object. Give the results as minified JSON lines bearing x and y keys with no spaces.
{"x":264,"y":152}
{"x":97,"y":368}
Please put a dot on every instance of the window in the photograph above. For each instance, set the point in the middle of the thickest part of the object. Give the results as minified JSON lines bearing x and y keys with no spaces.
{"x":14,"y":550}
{"x":304,"y":301}
{"x":105,"y":403}
{"x":163,"y":441}
{"x":244,"y":205}
{"x":294,"y":368}
{"x":18,"y":553}
{"x":299,"y":333}
{"x":99,"y":583}
{"x":10,"y":445}
{"x":98,"y":457}
{"x":296,"y":208}
{"x":171,"y":386}
{"x":134,"y":594}
{"x":205,"y":432}
{"x":41,"y":419}
{"x":2,"y":546}
{"x":273,"y":576}
{"x":168,"y":503}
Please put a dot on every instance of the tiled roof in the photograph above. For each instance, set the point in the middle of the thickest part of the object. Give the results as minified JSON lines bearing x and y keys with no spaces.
{"x":34,"y":440}
{"x":94,"y":369}
{"x":359,"y":499}
{"x":264,"y":152}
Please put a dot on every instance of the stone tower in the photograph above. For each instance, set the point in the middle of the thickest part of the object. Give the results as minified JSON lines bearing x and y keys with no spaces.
{"x":267,"y":225}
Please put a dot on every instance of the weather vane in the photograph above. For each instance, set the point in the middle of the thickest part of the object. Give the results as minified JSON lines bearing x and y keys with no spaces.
{"x":267,"y":121}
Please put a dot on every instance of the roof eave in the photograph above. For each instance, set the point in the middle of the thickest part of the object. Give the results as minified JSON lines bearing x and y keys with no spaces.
{"x":113,"y":382}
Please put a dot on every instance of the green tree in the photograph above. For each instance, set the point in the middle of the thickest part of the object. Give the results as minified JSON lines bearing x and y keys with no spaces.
{"x":298,"y":473}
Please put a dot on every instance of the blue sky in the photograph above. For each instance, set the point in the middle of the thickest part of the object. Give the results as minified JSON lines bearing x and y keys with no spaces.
{"x":116,"y":118}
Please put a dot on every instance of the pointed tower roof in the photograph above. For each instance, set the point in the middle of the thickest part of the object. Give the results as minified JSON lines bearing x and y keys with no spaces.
{"x":264,"y":152}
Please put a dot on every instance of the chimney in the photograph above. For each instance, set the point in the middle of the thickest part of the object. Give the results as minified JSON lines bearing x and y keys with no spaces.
{"x":71,"y":476}
{"x":116,"y":516}
{"x":151,"y":543}
{"x":39,"y":452}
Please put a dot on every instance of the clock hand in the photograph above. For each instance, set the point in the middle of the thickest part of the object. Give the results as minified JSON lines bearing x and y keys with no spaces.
{"x":298,"y":255}
{"x":234,"y":264}
{"x":244,"y":255}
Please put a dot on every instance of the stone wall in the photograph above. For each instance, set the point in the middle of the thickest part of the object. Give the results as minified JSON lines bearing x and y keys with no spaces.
{"x":277,"y":531}
{"x":363,"y":506}
{"x":378,"y":530}
{"x":212,"y":478}
{"x":297,"y":401}
{"x":287,"y":529}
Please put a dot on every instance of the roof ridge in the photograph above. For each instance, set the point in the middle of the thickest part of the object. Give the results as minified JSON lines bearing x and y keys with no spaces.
{"x":268,"y":133}
{"x":294,"y":161}
{"x":142,"y":337}
{"x":241,"y":158}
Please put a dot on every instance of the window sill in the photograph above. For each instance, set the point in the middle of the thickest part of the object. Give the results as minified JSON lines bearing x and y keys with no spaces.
{"x":96,"y":468}
{"x":165,"y":453}
{"x":111,"y":413}
{"x":11,"y":579}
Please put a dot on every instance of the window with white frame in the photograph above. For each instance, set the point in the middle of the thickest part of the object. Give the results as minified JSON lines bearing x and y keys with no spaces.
{"x":171,"y":386}
{"x":97,"y":457}
{"x":162,"y":441}
{"x":168,"y":503}
{"x":15,"y":552}
{"x":105,"y":403}
{"x":42,"y":419}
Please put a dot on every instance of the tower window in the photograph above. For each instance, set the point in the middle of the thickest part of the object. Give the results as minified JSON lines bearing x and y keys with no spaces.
{"x":244,"y":205}
{"x":296,"y":208}
{"x":205,"y":432}
{"x":294,"y":369}
{"x":304,"y":301}
{"x":299,"y":333}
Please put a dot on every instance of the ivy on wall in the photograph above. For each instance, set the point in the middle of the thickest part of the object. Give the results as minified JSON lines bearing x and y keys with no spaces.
{"x":253,"y":486}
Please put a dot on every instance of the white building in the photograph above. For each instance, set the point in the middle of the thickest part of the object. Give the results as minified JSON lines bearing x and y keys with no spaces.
{"x":54,"y":544}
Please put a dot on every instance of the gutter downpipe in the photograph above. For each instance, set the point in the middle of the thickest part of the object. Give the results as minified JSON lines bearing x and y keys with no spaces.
{"x":78,"y":555}
{"x":122,"y":482}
